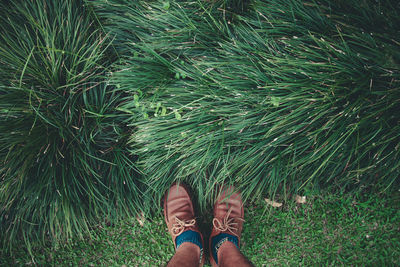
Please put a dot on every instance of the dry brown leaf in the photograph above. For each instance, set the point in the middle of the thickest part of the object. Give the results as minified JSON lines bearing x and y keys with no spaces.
{"x":273,"y":203}
{"x":141,"y":219}
{"x":300,"y":199}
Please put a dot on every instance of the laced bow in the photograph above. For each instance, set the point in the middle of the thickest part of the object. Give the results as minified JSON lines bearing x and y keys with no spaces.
{"x":228,"y":224}
{"x":179,"y":226}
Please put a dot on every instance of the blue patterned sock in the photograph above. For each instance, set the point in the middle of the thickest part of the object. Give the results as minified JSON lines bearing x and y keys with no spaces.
{"x":192,"y":237}
{"x":218,"y":240}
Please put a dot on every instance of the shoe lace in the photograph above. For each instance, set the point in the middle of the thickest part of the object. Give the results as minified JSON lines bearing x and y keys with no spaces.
{"x":227,"y":224}
{"x":179,"y":226}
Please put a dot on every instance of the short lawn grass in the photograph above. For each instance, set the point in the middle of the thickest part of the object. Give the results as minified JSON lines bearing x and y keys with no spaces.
{"x":328,"y":230}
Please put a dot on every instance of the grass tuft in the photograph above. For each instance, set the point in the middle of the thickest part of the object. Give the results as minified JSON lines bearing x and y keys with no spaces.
{"x":64,"y":162}
{"x":288,"y":95}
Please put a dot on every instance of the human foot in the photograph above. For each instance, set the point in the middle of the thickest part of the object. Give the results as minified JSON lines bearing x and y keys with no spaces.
{"x":180,"y":218}
{"x":227,"y":223}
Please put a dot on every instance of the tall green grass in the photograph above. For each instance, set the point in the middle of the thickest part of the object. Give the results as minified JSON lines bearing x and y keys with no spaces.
{"x":63,"y":153}
{"x":103,"y":104}
{"x":280,"y":95}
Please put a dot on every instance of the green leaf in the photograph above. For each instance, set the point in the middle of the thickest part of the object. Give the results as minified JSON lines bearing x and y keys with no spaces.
{"x":157,"y":108}
{"x":136,"y":100}
{"x":163,"y":111}
{"x":166,"y":5}
{"x":178,"y":116}
{"x":275,"y":101}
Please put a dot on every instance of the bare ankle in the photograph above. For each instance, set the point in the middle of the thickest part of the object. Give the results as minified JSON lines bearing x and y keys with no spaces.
{"x":187,"y":255}
{"x":225,"y":249}
{"x":229,"y":255}
{"x":190,"y":248}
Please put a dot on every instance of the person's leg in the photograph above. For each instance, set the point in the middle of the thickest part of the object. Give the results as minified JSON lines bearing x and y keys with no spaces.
{"x":229,"y":255}
{"x":187,"y":255}
{"x":227,"y":228}
{"x":181,"y":222}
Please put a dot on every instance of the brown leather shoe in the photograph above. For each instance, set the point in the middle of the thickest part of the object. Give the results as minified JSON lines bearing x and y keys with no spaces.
{"x":228,"y":216}
{"x":179,"y":213}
